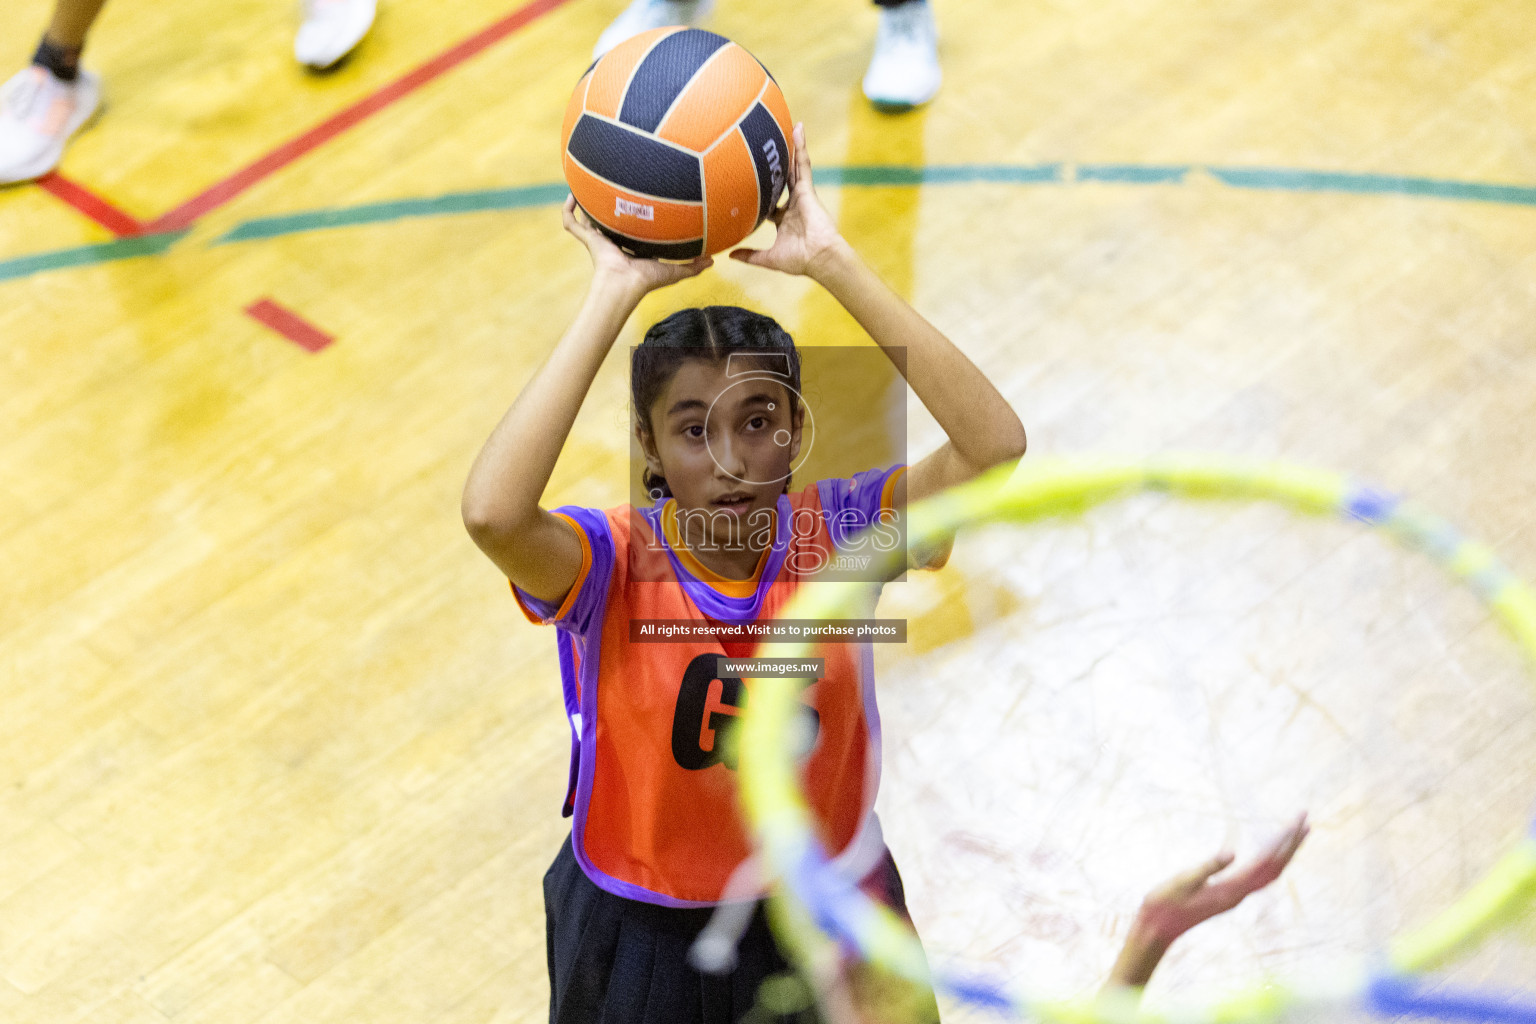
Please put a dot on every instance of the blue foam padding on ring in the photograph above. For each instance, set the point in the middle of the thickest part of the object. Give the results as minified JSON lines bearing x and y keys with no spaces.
{"x":1394,"y":996}
{"x":979,"y":993}
{"x":831,"y":899}
{"x":1370,"y":505}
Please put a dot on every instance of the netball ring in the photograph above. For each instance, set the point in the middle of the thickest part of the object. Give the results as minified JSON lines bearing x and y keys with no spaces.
{"x":820,"y":914}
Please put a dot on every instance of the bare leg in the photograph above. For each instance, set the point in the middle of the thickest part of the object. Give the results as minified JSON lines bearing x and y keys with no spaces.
{"x":72,"y":19}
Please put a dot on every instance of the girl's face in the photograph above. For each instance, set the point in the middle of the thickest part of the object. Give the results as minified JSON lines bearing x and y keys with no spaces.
{"x":724,"y":444}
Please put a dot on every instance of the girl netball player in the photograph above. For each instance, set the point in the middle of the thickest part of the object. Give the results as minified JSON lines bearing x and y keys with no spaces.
{"x":656,"y":835}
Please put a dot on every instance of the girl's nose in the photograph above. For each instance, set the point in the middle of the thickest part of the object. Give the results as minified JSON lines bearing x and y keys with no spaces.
{"x":729,"y":457}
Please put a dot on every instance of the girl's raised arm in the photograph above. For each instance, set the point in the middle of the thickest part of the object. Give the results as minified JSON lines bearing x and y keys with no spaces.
{"x":982,"y":427}
{"x":540,"y":552}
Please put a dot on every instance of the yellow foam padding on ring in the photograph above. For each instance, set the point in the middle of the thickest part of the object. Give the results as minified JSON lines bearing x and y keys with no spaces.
{"x":1500,"y":896}
{"x":1054,"y":489}
{"x":1472,"y":558}
{"x":1262,"y":1003}
{"x":1102,"y":1011}
{"x":1515,"y":605}
{"x":1122,"y":1006}
{"x":1300,"y":487}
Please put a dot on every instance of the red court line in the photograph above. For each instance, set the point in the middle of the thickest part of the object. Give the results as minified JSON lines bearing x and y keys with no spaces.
{"x":92,"y":205}
{"x":289,"y":324}
{"x":184,"y":215}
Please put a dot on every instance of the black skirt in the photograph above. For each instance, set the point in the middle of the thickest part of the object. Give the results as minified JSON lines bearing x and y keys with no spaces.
{"x":619,"y":961}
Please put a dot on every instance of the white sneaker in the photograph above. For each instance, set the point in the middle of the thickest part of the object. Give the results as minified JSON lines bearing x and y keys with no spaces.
{"x":905,"y":70}
{"x":644,"y":15}
{"x":331,"y":30}
{"x":38,"y":114}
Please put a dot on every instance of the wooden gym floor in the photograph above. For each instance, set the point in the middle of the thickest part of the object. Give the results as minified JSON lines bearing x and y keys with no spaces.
{"x":277,"y":745}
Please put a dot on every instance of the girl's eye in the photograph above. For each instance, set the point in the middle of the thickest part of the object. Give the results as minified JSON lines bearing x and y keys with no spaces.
{"x":696,"y":431}
{"x":757,"y":423}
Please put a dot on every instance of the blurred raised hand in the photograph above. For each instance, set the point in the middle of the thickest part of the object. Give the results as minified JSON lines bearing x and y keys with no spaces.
{"x":1180,"y":903}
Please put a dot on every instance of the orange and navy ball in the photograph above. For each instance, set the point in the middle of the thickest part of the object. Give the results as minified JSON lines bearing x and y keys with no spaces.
{"x":677,"y":144}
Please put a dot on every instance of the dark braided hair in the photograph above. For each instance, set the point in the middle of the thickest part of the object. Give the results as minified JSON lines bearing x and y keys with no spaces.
{"x":713,"y":333}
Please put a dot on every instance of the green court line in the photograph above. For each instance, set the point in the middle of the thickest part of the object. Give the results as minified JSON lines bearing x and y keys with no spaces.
{"x":544,"y":195}
{"x":548,"y":195}
{"x":959,"y":174}
{"x":1377,"y":184}
{"x":1131,"y":174}
{"x":88,"y":255}
{"x":875,"y":176}
{"x":1277,"y":179}
{"x":397,"y":209}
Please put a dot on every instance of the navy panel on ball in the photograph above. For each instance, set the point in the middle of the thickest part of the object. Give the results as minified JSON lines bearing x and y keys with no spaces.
{"x":689,"y":250}
{"x":636,"y":162}
{"x":771,"y":155}
{"x":664,"y":74}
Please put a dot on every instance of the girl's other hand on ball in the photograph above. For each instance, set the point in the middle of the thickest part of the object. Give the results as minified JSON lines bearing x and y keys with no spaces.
{"x":610,"y":263}
{"x":807,"y":241}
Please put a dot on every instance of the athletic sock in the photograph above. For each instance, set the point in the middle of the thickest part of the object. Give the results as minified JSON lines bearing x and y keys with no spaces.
{"x":63,"y":61}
